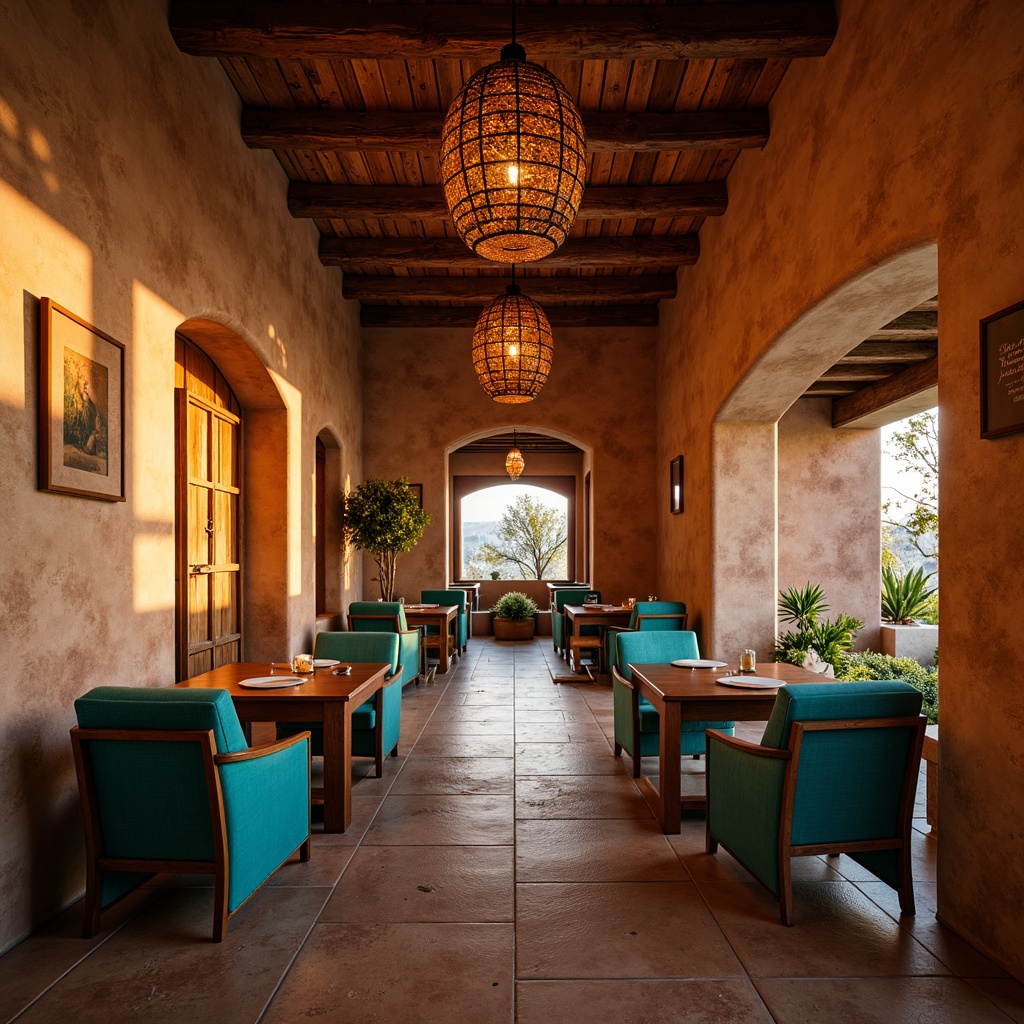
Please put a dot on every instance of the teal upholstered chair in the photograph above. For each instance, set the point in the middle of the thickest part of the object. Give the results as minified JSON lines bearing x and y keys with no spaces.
{"x":459,"y":597}
{"x":636,"y":721}
{"x":169,"y":784}
{"x":367,"y":739}
{"x":389,"y":617}
{"x":653,"y":615}
{"x":560,"y":599}
{"x":836,"y":771}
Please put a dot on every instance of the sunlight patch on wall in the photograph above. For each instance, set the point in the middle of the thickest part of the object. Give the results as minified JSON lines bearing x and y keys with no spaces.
{"x":293,"y":400}
{"x":153,"y":572}
{"x":38,"y":258}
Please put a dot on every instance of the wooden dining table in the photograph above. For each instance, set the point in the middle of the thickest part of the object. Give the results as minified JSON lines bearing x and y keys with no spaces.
{"x":441,"y":616}
{"x":695,"y":695}
{"x":320,"y":697}
{"x":577,"y":615}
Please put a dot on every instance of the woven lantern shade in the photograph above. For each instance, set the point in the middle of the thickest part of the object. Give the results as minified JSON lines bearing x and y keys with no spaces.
{"x":513,"y":160}
{"x":512,"y":347}
{"x":514,"y":461}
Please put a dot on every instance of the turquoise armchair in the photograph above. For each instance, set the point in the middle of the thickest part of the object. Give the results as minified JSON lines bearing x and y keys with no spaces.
{"x":367,"y":739}
{"x":558,"y":602}
{"x":459,"y":597}
{"x":636,"y":721}
{"x":389,"y":617}
{"x":836,"y":771}
{"x":168,"y":784}
{"x":653,"y":615}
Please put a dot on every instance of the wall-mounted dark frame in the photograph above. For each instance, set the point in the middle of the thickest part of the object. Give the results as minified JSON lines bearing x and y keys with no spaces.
{"x":417,"y":492}
{"x":676,"y":485}
{"x":1002,"y":372}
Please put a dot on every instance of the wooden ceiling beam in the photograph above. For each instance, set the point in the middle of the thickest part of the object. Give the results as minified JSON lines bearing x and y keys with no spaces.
{"x":466,"y":316}
{"x":860,"y":371}
{"x":414,"y":131}
{"x":371,"y":202}
{"x":875,"y":397}
{"x":634,"y":289}
{"x":619,"y":251}
{"x":891,"y":351}
{"x":360,"y":31}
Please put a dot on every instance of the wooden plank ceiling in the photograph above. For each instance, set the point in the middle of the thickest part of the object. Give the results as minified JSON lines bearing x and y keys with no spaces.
{"x":351,"y":97}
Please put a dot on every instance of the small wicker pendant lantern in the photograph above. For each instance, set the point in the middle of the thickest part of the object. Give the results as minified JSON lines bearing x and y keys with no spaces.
{"x":512,"y":347}
{"x":513,"y":160}
{"x":514,"y":462}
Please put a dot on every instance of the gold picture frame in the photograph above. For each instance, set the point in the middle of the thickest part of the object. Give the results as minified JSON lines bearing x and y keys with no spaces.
{"x":81,"y":407}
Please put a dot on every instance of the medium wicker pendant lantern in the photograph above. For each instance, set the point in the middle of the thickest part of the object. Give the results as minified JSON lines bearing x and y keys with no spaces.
{"x":512,"y":347}
{"x":514,"y":461}
{"x":513,"y":160}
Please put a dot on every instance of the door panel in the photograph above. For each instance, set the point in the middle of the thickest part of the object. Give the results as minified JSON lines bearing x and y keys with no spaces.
{"x":209,"y":530}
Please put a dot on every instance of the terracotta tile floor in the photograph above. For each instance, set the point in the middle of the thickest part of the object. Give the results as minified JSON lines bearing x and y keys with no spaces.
{"x":506,"y":870}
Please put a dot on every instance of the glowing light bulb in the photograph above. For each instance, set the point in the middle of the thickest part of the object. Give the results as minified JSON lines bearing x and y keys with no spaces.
{"x":513,"y":351}
{"x":513,"y":174}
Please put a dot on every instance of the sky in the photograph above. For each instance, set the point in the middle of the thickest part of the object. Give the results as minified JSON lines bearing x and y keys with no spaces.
{"x":894,"y":476}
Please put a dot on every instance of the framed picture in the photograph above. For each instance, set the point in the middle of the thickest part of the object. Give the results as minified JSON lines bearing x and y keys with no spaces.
{"x":81,"y":407}
{"x":1002,"y":372}
{"x":676,"y":484}
{"x":417,"y":492}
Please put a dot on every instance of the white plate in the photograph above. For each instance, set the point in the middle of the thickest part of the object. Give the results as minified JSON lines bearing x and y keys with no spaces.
{"x":325,"y":662}
{"x":270,"y":682}
{"x":752,"y":682}
{"x":699,"y":663}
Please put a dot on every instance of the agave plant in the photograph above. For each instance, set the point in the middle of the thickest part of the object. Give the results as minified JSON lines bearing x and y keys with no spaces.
{"x":803,"y":605}
{"x":904,"y":596}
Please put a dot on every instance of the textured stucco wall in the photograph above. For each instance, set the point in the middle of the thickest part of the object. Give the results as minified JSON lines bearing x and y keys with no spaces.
{"x":421,"y":397}
{"x":127,"y":195}
{"x":911,"y":129}
{"x":829,"y":532}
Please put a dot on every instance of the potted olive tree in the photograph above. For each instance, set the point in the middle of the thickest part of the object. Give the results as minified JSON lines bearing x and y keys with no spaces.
{"x":383,"y":518}
{"x":514,"y":616}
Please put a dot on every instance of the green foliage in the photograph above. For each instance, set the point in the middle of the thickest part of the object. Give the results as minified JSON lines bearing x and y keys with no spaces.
{"x":514,"y":605}
{"x":828,"y":639}
{"x":383,"y":518}
{"x":904,"y":596}
{"x":917,"y":448}
{"x":531,"y":538}
{"x":869,"y":665}
{"x":802,"y":606}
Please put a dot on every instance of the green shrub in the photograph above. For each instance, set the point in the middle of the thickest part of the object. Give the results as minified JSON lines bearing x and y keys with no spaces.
{"x":869,"y":665}
{"x":802,"y":606}
{"x":828,"y":639}
{"x":904,"y":597}
{"x":514,"y":605}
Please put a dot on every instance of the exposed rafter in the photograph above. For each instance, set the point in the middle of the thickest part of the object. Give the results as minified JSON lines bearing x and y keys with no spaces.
{"x":361,"y":31}
{"x":466,"y":316}
{"x":891,"y":352}
{"x":385,"y":131}
{"x":653,"y":251}
{"x":892,"y":390}
{"x":477,"y":291}
{"x":368,"y":202}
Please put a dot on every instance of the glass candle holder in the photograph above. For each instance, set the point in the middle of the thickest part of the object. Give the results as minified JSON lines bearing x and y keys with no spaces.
{"x":748,"y":660}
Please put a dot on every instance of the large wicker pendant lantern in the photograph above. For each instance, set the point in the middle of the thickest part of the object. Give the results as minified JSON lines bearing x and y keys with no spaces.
{"x":512,"y":347}
{"x":513,"y":160}
{"x":514,"y":461}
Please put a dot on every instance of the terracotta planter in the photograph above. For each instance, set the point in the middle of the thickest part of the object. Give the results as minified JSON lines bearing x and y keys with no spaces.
{"x":513,"y":629}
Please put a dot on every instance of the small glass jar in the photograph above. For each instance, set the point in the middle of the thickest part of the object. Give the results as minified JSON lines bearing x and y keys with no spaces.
{"x":748,"y":660}
{"x":302,"y":663}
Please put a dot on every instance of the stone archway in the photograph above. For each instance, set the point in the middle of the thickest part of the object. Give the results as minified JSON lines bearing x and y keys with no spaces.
{"x":745,"y":439}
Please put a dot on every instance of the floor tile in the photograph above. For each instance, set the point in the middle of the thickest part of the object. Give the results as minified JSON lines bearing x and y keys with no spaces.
{"x":618,"y":930}
{"x":443,"y":821}
{"x":393,"y":972}
{"x":461,"y":745}
{"x":1006,"y":993}
{"x":877,"y":1001}
{"x":456,"y":775}
{"x":579,"y":796}
{"x":839,"y":933}
{"x":652,"y":1002}
{"x":566,"y":759}
{"x":425,"y":883}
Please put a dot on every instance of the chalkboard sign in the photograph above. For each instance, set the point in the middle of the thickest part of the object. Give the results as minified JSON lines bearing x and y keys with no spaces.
{"x":1002,"y":372}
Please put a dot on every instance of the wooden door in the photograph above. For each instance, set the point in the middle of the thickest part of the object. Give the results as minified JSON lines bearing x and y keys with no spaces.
{"x":209,"y":627}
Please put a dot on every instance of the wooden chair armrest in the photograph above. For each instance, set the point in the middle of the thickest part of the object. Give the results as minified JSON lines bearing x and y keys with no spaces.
{"x":262,"y":750}
{"x":392,"y":676}
{"x":750,"y":748}
{"x":620,"y":678}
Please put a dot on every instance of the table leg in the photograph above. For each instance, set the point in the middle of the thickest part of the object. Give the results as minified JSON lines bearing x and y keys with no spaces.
{"x":670,"y":720}
{"x":443,"y":647}
{"x":337,"y":766}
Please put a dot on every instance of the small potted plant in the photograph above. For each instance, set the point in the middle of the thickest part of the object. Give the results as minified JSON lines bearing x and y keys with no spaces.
{"x":514,"y":616}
